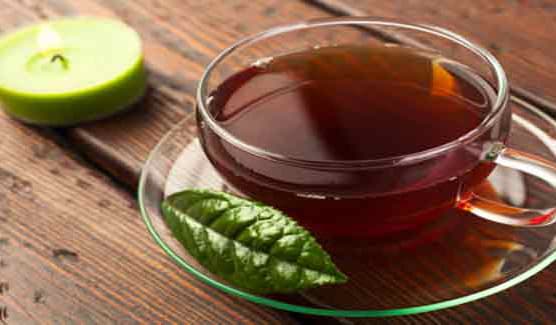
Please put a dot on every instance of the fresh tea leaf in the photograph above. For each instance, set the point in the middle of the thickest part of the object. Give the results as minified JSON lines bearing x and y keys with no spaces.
{"x":251,"y":245}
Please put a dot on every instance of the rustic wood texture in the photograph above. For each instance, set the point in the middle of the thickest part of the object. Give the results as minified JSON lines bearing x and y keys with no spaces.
{"x":138,"y":283}
{"x":73,"y":249}
{"x":180,"y":38}
{"x":518,"y":33}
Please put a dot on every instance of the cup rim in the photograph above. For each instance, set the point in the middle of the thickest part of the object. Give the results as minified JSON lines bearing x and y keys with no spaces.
{"x":502,"y":95}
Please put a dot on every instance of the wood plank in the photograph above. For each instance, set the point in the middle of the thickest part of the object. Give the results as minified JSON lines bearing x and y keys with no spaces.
{"x":518,"y":33}
{"x":180,"y":38}
{"x":74,"y":250}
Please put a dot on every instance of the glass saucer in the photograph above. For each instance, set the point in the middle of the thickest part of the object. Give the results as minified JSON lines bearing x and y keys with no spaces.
{"x":457,"y":259}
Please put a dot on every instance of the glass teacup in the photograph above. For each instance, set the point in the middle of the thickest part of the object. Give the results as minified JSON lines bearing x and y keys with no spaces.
{"x":383,"y":196}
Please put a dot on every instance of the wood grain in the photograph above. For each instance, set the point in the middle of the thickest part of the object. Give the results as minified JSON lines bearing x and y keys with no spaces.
{"x":139,"y":283}
{"x":180,"y":38}
{"x":516,"y":32}
{"x":73,"y":248}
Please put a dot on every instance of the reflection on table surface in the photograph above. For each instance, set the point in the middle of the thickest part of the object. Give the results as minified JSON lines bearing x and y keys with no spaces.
{"x":457,"y":255}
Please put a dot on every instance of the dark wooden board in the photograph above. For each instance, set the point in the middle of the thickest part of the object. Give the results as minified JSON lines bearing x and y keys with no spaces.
{"x":518,"y":33}
{"x":73,"y":248}
{"x":180,"y":39}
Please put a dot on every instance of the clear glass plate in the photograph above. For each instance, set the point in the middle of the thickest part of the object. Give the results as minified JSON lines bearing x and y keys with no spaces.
{"x":458,"y":259}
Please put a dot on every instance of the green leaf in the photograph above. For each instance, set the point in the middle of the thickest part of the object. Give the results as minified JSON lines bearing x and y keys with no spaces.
{"x":251,"y":245}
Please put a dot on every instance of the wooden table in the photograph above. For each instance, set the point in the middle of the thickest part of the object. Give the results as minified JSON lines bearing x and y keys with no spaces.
{"x":72,"y":246}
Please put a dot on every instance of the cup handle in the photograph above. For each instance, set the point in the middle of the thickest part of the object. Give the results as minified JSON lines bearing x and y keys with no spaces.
{"x":506,"y":214}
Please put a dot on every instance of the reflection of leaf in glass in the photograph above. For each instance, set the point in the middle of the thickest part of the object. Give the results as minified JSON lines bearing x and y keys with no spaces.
{"x":249,"y":244}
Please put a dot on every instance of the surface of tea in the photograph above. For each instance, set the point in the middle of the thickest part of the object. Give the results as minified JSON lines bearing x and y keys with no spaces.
{"x":350,"y":103}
